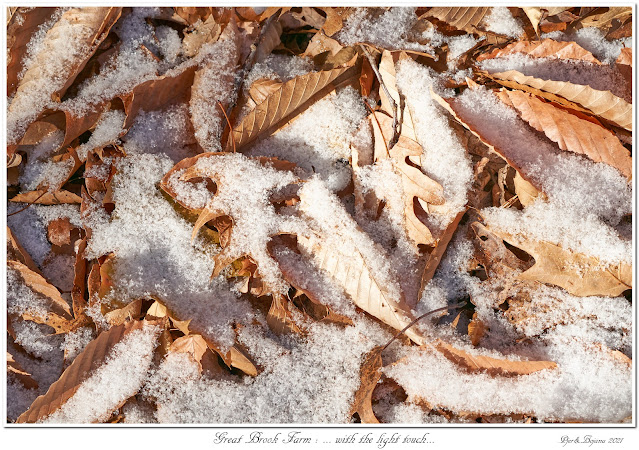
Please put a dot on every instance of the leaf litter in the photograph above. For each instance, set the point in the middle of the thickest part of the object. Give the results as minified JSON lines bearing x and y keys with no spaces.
{"x":302,"y":215}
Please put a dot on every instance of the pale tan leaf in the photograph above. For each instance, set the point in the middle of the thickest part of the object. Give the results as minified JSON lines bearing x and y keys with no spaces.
{"x":526,"y":192}
{"x":92,"y":357}
{"x":49,"y":198}
{"x":287,"y":101}
{"x":570,"y":132}
{"x":369,"y":374}
{"x":416,"y":184}
{"x":335,"y":18}
{"x":493,"y":366}
{"x":353,"y":274}
{"x":601,"y":103}
{"x":577,"y":273}
{"x":604,"y":19}
{"x":320,"y":43}
{"x":88,"y":26}
{"x":389,"y":77}
{"x":204,"y":33}
{"x":279,"y":317}
{"x":78,"y":292}
{"x":534,"y":15}
{"x":462,"y":18}
{"x":16,"y":370}
{"x":262,"y":88}
{"x":625,"y":57}
{"x":15,"y":252}
{"x":195,"y":346}
{"x":546,"y":48}
{"x":121,"y":315}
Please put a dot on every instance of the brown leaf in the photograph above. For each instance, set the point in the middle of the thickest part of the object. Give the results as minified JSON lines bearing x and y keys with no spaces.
{"x":49,"y":198}
{"x":195,"y":346}
{"x":92,"y":357}
{"x":546,"y":48}
{"x":78,"y":292}
{"x":578,"y":273}
{"x":269,"y":39}
{"x":289,"y":100}
{"x":132,"y":311}
{"x":90,"y":26}
{"x":14,"y":368}
{"x":369,"y":374}
{"x":417,"y":186}
{"x":20,"y":29}
{"x":438,"y":252}
{"x":204,"y":33}
{"x":279,"y":317}
{"x":262,"y":88}
{"x":389,"y":78}
{"x":603,"y":19}
{"x":493,"y":366}
{"x":335,"y":18}
{"x":586,"y":99}
{"x":59,"y":231}
{"x":470,"y":19}
{"x":476,"y":330}
{"x":569,"y":131}
{"x":15,"y":252}
{"x":40,"y":286}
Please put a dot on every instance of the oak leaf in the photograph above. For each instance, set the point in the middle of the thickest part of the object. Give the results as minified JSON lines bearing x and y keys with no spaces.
{"x":579,"y":274}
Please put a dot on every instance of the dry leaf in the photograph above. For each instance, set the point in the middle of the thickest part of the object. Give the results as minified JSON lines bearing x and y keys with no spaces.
{"x":16,"y":370}
{"x":288,"y":100}
{"x":470,"y":19}
{"x":526,"y":192}
{"x":279,"y":317}
{"x":48,"y":198}
{"x":569,"y":131}
{"x":601,"y":103}
{"x":369,"y":375}
{"x":88,"y":24}
{"x":204,"y":33}
{"x":20,"y":29}
{"x":604,"y":19}
{"x":262,"y":88}
{"x":15,"y":252}
{"x":546,"y":48}
{"x":92,"y":357}
{"x":389,"y":78}
{"x":417,"y":186}
{"x":476,"y":330}
{"x":269,"y":39}
{"x":195,"y":346}
{"x":579,"y":274}
{"x":132,"y":311}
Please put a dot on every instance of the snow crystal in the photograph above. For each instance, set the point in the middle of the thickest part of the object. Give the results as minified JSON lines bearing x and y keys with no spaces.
{"x":255,"y":220}
{"x":318,"y":139}
{"x":214,"y":82}
{"x":124,"y":371}
{"x":106,"y":131}
{"x":40,"y":168}
{"x":36,"y":338}
{"x":75,"y":342}
{"x":297,"y":385}
{"x":501,"y":21}
{"x":583,"y":381}
{"x":385,"y":30}
{"x":154,"y":255}
{"x":279,"y":67}
{"x":158,"y":132}
{"x":444,"y":158}
{"x":21,"y":299}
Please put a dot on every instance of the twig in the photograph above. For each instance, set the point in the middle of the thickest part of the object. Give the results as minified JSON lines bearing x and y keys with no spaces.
{"x":373,"y":64}
{"x":219,"y":103}
{"x":456,"y":305}
{"x":380,"y":127}
{"x":20,"y":210}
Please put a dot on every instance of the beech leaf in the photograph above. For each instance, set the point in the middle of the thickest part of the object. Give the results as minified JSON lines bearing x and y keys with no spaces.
{"x":546,"y":48}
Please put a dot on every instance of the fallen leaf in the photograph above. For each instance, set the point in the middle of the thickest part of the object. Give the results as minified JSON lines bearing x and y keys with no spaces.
{"x":279,"y":317}
{"x":93,"y":356}
{"x":289,"y":100}
{"x":260,"y":89}
{"x":48,"y":198}
{"x":15,"y":252}
{"x":369,"y":375}
{"x":600,"y":103}
{"x":21,"y":27}
{"x":526,"y":192}
{"x":131,"y":311}
{"x":203,"y":33}
{"x":546,"y":48}
{"x":569,"y":131}
{"x":476,"y":330}
{"x":16,"y":370}
{"x":195,"y":346}
{"x":604,"y":18}
{"x":577,"y":273}
{"x":470,"y":19}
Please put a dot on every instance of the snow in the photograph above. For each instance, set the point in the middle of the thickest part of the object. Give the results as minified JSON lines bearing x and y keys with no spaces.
{"x":593,"y":40}
{"x":382,"y":31}
{"x":279,"y":67}
{"x":107,"y":131}
{"x":501,"y":21}
{"x":124,"y":370}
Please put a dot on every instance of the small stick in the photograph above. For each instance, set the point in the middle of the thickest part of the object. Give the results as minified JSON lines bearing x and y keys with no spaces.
{"x":219,"y":103}
{"x":20,"y":210}
{"x":373,"y":64}
{"x":456,"y":305}
{"x":380,"y":127}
